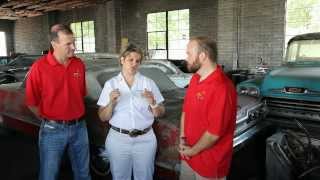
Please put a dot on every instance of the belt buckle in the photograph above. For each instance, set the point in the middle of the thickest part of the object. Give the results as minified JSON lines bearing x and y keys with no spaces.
{"x":134,"y":133}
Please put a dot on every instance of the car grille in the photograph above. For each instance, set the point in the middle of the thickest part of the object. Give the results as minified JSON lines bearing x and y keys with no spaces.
{"x":298,"y":109}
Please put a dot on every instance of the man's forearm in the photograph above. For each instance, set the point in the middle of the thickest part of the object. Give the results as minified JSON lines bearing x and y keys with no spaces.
{"x":182,"y":125}
{"x":206,"y":141}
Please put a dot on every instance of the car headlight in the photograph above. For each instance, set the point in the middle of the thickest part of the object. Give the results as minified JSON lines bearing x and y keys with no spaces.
{"x":250,"y":91}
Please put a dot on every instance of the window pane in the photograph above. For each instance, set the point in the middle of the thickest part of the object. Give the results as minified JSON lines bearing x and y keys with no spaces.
{"x":151,"y":22}
{"x":177,"y":54}
{"x":152,"y":37}
{"x":3,"y":45}
{"x":157,"y":40}
{"x":156,"y":22}
{"x":173,"y":15}
{"x":161,"y":21}
{"x":178,"y":33}
{"x":159,"y":54}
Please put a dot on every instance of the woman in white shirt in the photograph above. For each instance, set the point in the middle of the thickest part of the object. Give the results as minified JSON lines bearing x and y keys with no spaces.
{"x":129,"y":102}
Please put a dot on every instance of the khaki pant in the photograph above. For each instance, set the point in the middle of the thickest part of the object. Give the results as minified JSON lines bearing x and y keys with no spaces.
{"x":187,"y":173}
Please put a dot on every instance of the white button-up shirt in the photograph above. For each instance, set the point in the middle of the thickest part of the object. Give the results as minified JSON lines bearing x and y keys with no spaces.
{"x":132,"y":109}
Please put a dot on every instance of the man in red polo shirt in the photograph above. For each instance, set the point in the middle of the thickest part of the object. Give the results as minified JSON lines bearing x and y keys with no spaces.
{"x":55,"y":93}
{"x":208,"y":117}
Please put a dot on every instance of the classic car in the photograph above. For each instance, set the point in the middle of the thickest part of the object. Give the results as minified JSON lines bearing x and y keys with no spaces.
{"x":16,"y":115}
{"x":291,"y":94}
{"x":17,"y":68}
{"x":180,"y":78}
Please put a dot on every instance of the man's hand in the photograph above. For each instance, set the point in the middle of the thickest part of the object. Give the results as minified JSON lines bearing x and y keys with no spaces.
{"x":186,"y":151}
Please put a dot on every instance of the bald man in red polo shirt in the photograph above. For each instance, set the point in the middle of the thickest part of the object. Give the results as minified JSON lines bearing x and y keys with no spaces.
{"x":55,"y":93}
{"x":208,"y":117}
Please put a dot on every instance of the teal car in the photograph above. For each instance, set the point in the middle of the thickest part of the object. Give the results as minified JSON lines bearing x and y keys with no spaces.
{"x":291,"y":91}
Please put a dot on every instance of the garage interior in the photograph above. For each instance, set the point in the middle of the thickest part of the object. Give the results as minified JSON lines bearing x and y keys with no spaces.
{"x":247,"y":32}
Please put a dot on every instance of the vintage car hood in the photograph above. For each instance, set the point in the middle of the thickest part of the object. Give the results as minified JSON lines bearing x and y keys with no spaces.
{"x":300,"y":83}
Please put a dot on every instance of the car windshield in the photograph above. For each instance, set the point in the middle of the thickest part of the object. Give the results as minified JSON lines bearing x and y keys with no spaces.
{"x":163,"y":82}
{"x":303,"y":51}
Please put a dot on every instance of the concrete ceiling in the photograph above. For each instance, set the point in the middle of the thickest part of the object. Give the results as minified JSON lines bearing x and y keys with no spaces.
{"x":16,"y":9}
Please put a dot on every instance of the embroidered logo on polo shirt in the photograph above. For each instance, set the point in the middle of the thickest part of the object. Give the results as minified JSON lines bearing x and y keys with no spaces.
{"x":76,"y":74}
{"x":200,"y":95}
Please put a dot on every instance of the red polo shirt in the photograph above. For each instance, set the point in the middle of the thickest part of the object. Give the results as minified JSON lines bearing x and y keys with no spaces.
{"x":57,"y":90}
{"x":210,"y":105}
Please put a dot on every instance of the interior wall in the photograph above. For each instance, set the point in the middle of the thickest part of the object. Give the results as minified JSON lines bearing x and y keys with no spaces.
{"x":30,"y":35}
{"x":245,"y":30}
{"x":249,"y":30}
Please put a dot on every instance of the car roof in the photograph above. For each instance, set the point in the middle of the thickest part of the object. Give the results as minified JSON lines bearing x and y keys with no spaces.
{"x":308,"y":36}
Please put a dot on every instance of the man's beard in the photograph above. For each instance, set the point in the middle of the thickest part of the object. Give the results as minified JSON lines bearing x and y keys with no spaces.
{"x":195,"y":66}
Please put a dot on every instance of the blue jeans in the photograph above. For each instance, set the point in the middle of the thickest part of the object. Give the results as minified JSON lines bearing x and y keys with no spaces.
{"x":54,"y":139}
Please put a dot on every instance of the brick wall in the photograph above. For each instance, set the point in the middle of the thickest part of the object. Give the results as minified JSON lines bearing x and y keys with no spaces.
{"x":31,"y":35}
{"x":7,"y":27}
{"x":249,"y":30}
{"x":106,"y":28}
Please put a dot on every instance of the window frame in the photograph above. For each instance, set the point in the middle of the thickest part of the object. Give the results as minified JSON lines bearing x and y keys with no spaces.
{"x":92,"y":39}
{"x":167,"y":31}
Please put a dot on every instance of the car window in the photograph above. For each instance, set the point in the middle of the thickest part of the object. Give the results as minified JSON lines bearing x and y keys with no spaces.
{"x":304,"y":50}
{"x":163,"y":82}
{"x":4,"y":60}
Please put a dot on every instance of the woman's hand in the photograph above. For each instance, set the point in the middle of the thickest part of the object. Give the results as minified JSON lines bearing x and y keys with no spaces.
{"x":149,"y":96}
{"x":105,"y":112}
{"x":114,"y":95}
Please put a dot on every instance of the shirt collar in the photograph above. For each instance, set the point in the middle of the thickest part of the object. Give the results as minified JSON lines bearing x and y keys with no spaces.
{"x":216,"y":75}
{"x":53,"y":61}
{"x":121,"y":78}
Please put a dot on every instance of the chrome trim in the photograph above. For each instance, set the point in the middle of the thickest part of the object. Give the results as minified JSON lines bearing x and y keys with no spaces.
{"x":284,"y":91}
{"x":247,"y":113}
{"x":247,"y":135}
{"x":287,"y":108}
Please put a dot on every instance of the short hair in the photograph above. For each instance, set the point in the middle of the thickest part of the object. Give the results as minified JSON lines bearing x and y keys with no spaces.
{"x":55,"y":29}
{"x":131,"y":48}
{"x":207,"y":46}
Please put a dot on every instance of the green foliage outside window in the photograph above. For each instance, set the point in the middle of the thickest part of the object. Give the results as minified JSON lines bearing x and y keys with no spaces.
{"x":84,"y":36}
{"x":168,"y":40}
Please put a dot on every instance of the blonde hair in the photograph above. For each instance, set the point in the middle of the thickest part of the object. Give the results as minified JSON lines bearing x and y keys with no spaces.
{"x":129,"y":49}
